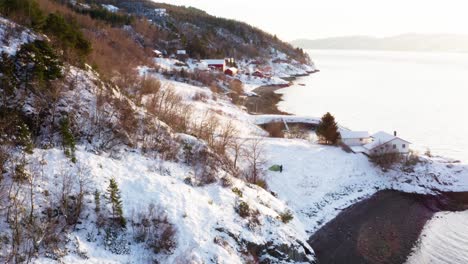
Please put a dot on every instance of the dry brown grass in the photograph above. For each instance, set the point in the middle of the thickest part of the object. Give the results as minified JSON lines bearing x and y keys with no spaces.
{"x":276,"y":130}
{"x":114,"y":50}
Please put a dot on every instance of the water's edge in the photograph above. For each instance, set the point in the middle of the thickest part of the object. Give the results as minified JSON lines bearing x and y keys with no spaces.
{"x":382,"y":229}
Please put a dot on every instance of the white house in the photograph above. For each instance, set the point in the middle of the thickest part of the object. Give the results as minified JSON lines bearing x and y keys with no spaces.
{"x":158,"y":53}
{"x":378,"y":143}
{"x":181,"y":52}
{"x":160,"y":11}
{"x":354,"y":138}
{"x":383,"y":143}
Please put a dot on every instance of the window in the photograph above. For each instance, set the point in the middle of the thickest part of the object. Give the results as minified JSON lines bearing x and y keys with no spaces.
{"x":394,"y":146}
{"x":404,"y":145}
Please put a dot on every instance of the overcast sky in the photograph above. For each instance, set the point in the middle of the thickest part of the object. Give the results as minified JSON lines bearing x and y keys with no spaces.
{"x":294,"y":19}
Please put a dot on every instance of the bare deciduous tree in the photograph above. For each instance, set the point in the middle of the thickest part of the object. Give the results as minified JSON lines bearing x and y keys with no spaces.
{"x":254,"y":156}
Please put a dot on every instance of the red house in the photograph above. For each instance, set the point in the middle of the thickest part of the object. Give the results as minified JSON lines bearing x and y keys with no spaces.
{"x":219,"y":65}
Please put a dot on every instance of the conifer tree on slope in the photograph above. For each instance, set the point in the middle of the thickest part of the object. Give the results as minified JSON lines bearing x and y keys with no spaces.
{"x":114,"y":199}
{"x":327,"y":130}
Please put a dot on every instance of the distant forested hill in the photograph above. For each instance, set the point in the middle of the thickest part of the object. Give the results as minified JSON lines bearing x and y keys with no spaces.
{"x":204,"y":35}
{"x":406,"y":42}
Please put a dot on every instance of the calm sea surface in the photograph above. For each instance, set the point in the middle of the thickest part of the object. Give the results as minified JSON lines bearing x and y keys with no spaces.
{"x":423,"y":96}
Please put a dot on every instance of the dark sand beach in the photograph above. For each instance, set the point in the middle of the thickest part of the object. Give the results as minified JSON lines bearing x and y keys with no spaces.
{"x":381,"y":229}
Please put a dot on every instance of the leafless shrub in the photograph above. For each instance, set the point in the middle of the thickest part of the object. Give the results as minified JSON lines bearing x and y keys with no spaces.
{"x":298,"y":132}
{"x":276,"y":130}
{"x":153,"y":228}
{"x":237,"y":146}
{"x":428,"y":153}
{"x":205,"y":128}
{"x":201,"y":96}
{"x":412,"y":159}
{"x":149,"y":85}
{"x":225,"y":138}
{"x":205,"y":167}
{"x":237,"y":87}
{"x":236,"y":93}
{"x":169,"y":107}
{"x":204,"y":162}
{"x":127,"y":124}
{"x":253,"y":216}
{"x":215,"y":88}
{"x":157,"y":139}
{"x":226,"y":182}
{"x":386,"y":160}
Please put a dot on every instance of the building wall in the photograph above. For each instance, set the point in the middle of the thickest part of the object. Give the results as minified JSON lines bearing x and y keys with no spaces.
{"x":355,"y":141}
{"x":218,"y":67}
{"x":394,"y":146}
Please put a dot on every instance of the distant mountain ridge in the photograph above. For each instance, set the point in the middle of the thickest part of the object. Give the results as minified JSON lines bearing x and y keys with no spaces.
{"x":405,"y":42}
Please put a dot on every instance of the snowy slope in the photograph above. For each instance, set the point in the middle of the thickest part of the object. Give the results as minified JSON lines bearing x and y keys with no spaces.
{"x":12,"y":36}
{"x":199,"y":213}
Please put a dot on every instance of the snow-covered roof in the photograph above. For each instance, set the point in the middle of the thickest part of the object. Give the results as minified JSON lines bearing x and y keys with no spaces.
{"x":216,"y":62}
{"x":381,"y":138}
{"x":111,"y":8}
{"x":348,"y":134}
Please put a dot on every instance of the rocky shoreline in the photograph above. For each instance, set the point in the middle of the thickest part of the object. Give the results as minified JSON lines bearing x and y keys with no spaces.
{"x":266,"y":101}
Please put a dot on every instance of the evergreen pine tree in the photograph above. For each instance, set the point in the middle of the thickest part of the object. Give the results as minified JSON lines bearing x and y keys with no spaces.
{"x":8,"y":80}
{"x":113,"y":197}
{"x":24,"y":138}
{"x":68,"y":140}
{"x":97,"y":201}
{"x":327,"y":130}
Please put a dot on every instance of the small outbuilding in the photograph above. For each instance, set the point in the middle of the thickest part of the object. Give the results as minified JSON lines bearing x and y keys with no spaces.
{"x":354,"y":138}
{"x":231,"y":71}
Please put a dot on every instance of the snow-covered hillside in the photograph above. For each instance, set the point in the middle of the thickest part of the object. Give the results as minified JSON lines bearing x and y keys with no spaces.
{"x":207,"y":226}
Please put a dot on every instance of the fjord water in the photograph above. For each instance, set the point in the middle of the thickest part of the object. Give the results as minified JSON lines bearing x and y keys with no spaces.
{"x":423,"y":96}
